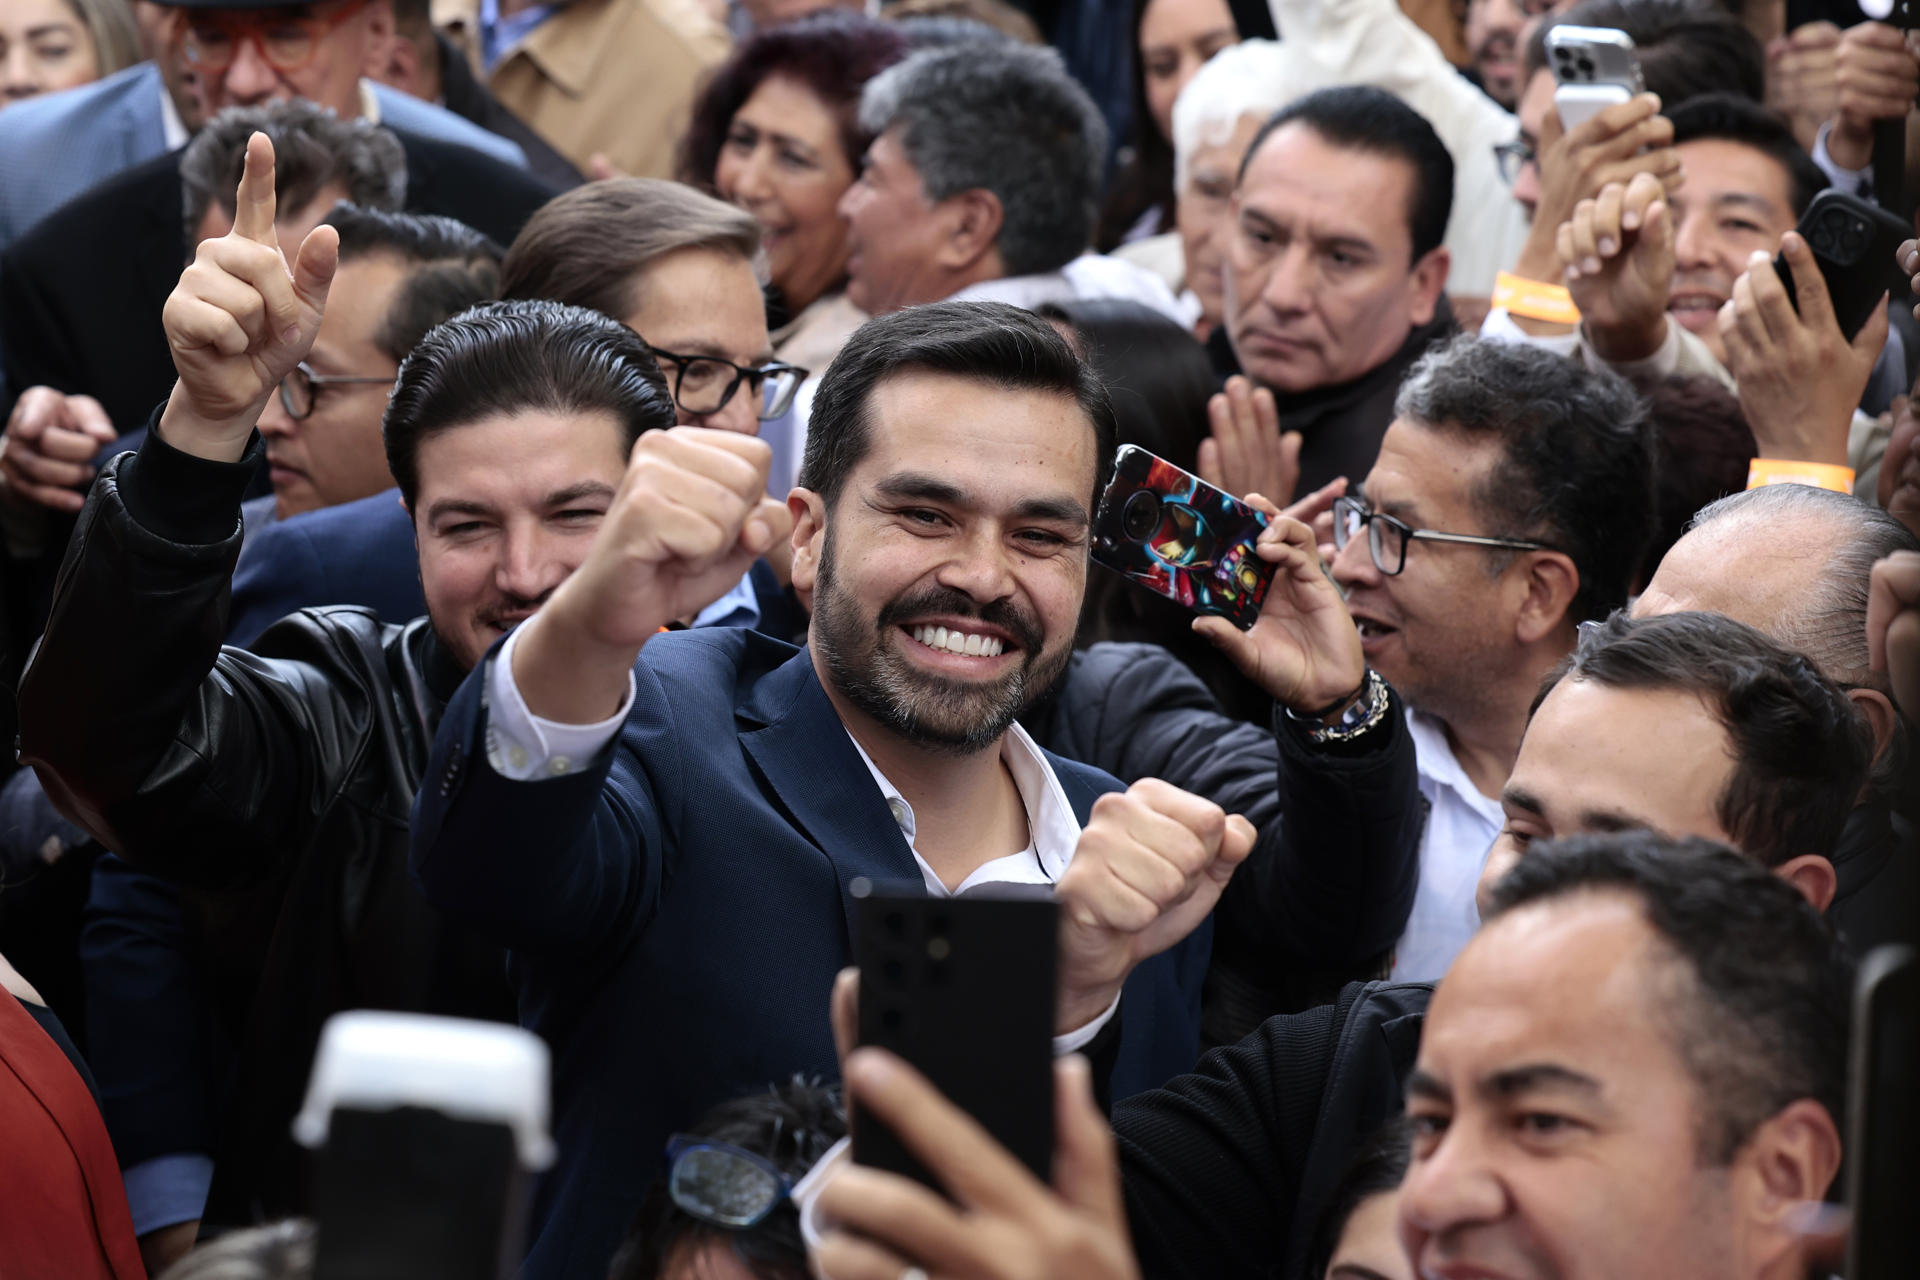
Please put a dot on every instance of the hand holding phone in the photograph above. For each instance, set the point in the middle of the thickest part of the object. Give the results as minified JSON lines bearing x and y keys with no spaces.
{"x":1593,"y":68}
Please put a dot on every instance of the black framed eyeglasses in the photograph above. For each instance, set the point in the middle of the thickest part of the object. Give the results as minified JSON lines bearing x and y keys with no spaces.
{"x":704,"y":384}
{"x":298,"y":389}
{"x":721,"y":1183}
{"x":1512,"y":157}
{"x":1387,"y":538}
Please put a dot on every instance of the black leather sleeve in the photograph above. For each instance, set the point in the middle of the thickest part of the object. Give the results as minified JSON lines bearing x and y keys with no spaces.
{"x":190,"y":762}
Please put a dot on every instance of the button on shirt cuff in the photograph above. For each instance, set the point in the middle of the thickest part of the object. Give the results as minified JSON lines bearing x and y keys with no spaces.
{"x":526,"y":748}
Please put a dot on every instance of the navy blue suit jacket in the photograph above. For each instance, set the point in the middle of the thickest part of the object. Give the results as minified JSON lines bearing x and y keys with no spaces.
{"x":676,"y":912}
{"x":356,"y":553}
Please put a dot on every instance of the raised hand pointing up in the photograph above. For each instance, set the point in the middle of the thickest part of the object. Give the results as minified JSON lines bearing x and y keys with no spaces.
{"x":240,"y":320}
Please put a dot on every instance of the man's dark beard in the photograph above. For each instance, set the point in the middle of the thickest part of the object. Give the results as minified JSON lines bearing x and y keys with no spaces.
{"x":954,"y":717}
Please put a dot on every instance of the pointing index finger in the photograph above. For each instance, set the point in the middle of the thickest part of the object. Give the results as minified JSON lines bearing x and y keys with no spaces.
{"x":253,"y":208}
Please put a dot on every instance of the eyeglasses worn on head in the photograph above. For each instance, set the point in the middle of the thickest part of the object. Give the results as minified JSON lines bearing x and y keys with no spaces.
{"x":298,"y":389}
{"x":214,"y":36}
{"x":705,"y":384}
{"x":1387,"y":538}
{"x":1512,"y":157}
{"x":721,"y":1183}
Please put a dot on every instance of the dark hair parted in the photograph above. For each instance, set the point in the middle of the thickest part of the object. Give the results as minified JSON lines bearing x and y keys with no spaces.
{"x":833,"y":54}
{"x":1362,"y":118}
{"x":1685,"y":47}
{"x":1760,"y":1009}
{"x":792,"y":1127}
{"x":1576,"y":456}
{"x":450,"y":267}
{"x":1004,"y":118}
{"x":505,"y":358}
{"x":1730,"y":117}
{"x":1800,"y":752}
{"x":1001,"y":345}
{"x":1378,"y":1167}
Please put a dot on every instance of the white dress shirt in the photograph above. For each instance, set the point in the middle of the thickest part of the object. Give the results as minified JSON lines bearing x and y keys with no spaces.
{"x":524,"y":747}
{"x":1461,"y":827}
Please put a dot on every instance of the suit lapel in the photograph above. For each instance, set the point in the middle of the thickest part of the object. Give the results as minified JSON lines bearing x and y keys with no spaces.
{"x":799,"y":745}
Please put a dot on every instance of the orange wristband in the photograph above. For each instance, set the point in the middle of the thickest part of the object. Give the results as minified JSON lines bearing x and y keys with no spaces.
{"x":1534,"y":300}
{"x":1821,"y":475}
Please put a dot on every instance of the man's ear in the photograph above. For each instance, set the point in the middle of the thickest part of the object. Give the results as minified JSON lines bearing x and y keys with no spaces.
{"x":1813,"y":876}
{"x":1791,"y":1159}
{"x":1552,"y":583}
{"x":1429,"y":281}
{"x":973,"y":222}
{"x":1876,"y":708}
{"x":809,"y":541}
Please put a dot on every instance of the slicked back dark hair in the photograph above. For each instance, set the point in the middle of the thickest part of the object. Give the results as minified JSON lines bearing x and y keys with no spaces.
{"x":1760,"y":1009}
{"x":505,"y":358}
{"x":1004,"y":346}
{"x":1730,"y":117}
{"x":1800,"y":752}
{"x":1576,"y":456}
{"x":1362,"y":118}
{"x":1685,"y":47}
{"x":450,"y":267}
{"x":833,"y":54}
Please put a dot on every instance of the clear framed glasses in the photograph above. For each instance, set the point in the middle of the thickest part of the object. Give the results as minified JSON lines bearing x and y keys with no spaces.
{"x":299,"y":388}
{"x":704,"y":384}
{"x":1387,"y":538}
{"x":721,"y":1183}
{"x":1512,"y":157}
{"x":213,"y":36}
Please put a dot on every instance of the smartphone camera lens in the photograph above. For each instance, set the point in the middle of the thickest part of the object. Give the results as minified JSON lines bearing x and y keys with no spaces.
{"x":1586,"y":67}
{"x":1141,"y":516}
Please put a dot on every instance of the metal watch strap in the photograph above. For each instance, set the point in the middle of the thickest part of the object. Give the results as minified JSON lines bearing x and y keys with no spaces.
{"x":1361,"y":717}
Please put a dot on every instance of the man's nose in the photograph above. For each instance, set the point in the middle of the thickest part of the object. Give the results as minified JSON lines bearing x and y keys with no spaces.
{"x":740,"y":413}
{"x":1526,"y":186}
{"x":529,"y":566}
{"x":1353,"y":564}
{"x":1693,"y":244}
{"x":1289,"y":285}
{"x":275,"y":420}
{"x":1455,"y":1186}
{"x":249,"y":78}
{"x":980,"y":567}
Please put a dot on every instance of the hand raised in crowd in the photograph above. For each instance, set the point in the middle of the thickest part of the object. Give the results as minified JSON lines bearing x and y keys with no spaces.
{"x":1151,"y":863}
{"x":47,"y":450}
{"x":1614,"y":146}
{"x":690,"y":517}
{"x":240,"y":320}
{"x":1803,"y":77}
{"x":1316,"y":512}
{"x":1001,"y":1223}
{"x":1893,"y":626}
{"x":1899,"y":489}
{"x":1247,"y":452}
{"x":1799,"y":378}
{"x":1303,"y":649}
{"x":1876,"y":78}
{"x":1618,"y":248}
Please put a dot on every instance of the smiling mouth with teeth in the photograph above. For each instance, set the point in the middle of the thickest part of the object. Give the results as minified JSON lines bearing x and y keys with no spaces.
{"x":973,"y":646}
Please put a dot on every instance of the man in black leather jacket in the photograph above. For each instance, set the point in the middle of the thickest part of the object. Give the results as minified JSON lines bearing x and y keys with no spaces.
{"x":283,"y":778}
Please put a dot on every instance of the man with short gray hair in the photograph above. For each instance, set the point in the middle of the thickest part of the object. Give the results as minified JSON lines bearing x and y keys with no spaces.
{"x":320,"y":160}
{"x":1795,"y":562}
{"x":983,"y":182}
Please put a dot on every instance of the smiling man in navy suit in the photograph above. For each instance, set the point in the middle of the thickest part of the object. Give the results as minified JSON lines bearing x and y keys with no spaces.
{"x":668,"y":845}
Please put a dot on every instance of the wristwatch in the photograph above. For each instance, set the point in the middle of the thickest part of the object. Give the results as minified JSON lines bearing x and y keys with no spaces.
{"x":1366,"y":711}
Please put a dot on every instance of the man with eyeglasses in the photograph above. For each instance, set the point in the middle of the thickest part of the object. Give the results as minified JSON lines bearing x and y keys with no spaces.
{"x":1511,"y":500}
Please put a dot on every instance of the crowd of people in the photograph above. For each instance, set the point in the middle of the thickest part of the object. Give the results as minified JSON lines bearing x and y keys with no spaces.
{"x":526,"y":512}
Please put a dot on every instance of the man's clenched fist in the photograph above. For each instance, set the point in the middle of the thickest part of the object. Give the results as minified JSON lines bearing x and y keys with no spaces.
{"x":1151,"y":863}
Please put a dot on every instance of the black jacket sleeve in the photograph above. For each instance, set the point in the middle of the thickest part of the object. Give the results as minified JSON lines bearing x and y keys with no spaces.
{"x":189,"y":761}
{"x":1331,"y":880}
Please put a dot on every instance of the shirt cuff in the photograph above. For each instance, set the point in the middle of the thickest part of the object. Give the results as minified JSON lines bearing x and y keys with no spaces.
{"x":524,"y":747}
{"x":1499,"y":327}
{"x":167,"y":1190}
{"x":1080,"y":1037}
{"x":1853,"y":181}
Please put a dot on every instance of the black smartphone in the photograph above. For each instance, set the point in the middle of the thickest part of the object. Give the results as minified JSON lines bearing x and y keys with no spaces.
{"x":1178,"y":536}
{"x":963,"y":988}
{"x":1854,"y":243}
{"x":1883,"y":1108}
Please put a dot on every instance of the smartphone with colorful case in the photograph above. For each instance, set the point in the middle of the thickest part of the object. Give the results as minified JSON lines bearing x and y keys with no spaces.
{"x":1179,"y":537}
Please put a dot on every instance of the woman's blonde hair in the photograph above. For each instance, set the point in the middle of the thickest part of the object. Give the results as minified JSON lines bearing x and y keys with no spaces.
{"x":116,"y":37}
